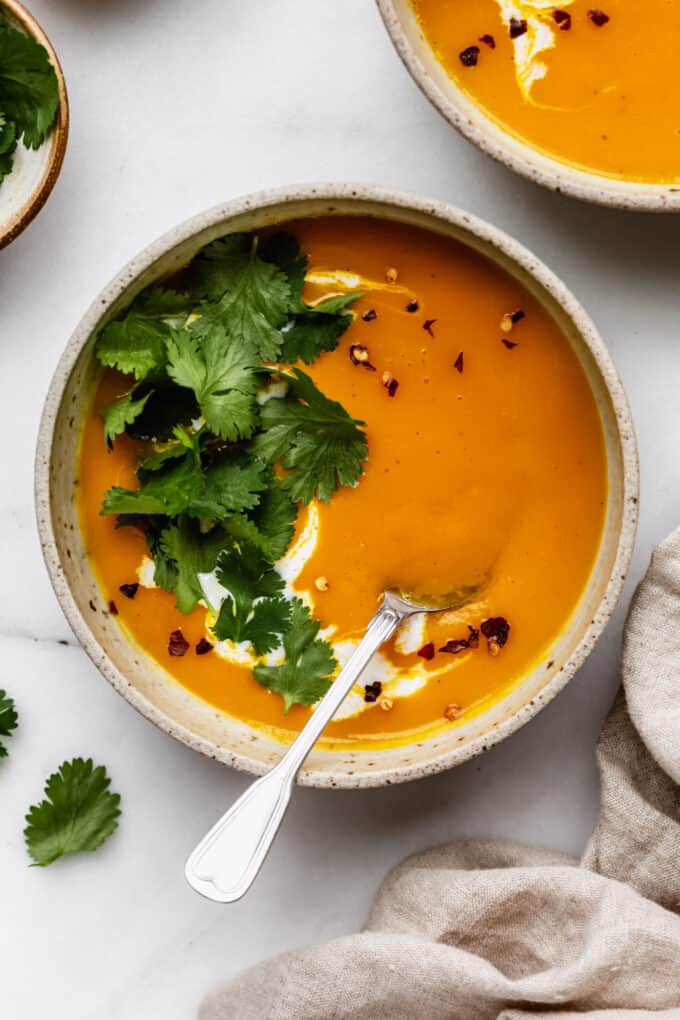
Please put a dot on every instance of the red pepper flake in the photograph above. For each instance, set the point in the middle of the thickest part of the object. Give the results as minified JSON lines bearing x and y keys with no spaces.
{"x":390,"y":384}
{"x":178,"y":644}
{"x":470,"y":56}
{"x":412,"y":306}
{"x":358,"y":355}
{"x":562,"y":18}
{"x":509,"y":343}
{"x":458,"y":363}
{"x":473,"y":637}
{"x":488,"y":40}
{"x":372,"y":692}
{"x":598,"y":17}
{"x":456,"y":646}
{"x":496,"y":630}
{"x":427,"y":326}
{"x":370,"y":315}
{"x":113,"y":608}
{"x":518,"y":27}
{"x":517,"y":316}
{"x":427,"y":651}
{"x":203,"y":647}
{"x":129,"y":590}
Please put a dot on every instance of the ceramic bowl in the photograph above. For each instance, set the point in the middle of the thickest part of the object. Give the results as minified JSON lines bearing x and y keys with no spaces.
{"x":26,"y":189}
{"x":460,"y":111}
{"x":140,"y":679}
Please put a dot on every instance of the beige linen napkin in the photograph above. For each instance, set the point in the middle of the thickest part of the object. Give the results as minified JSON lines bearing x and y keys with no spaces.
{"x":481,"y":930}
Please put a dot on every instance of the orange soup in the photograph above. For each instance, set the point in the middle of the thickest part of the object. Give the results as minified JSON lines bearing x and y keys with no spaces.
{"x":593,"y":86}
{"x":486,"y":469}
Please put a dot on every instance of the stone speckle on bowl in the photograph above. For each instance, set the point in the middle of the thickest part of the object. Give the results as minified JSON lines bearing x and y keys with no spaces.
{"x":141,"y":680}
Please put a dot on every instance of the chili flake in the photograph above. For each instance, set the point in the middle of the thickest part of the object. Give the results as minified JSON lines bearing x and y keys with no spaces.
{"x":321,"y":583}
{"x":370,"y":315}
{"x":129,"y":590}
{"x":509,"y":343}
{"x":470,"y":56}
{"x":518,"y":27}
{"x":488,"y":40}
{"x":412,"y":306}
{"x":562,"y":18}
{"x":496,"y":630}
{"x":203,"y":647}
{"x":598,"y":17}
{"x":177,"y":644}
{"x":358,"y":355}
{"x":385,"y":703}
{"x":458,"y":363}
{"x":372,"y":692}
{"x":455,"y":646}
{"x":390,"y":384}
{"x":113,"y":608}
{"x":453,"y":712}
{"x":427,"y":326}
{"x":427,"y":651}
{"x":473,"y":637}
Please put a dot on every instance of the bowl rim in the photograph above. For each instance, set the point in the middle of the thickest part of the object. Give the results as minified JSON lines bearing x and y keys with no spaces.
{"x":400,"y":201}
{"x":56,"y":140}
{"x":528,"y":162}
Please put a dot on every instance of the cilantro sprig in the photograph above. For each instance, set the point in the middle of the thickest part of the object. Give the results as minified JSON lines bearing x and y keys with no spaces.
{"x":29,"y":93}
{"x":228,"y":456}
{"x":8,"y":719}
{"x":78,"y":812}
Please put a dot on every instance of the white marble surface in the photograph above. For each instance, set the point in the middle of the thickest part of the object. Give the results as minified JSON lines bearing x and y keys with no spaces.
{"x":176,"y":107}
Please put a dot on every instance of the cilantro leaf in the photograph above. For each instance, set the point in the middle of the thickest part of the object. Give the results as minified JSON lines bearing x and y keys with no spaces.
{"x":269,"y":526}
{"x":305,"y":676}
{"x":79,"y":812}
{"x":230,"y":485}
{"x":316,"y":440}
{"x":191,"y":552}
{"x":252,"y":295}
{"x":224,"y":377}
{"x":310,"y":334}
{"x":122,"y":413}
{"x":168,"y":406}
{"x":253,"y":609}
{"x":136,"y":343}
{"x":284,"y":251}
{"x":29,"y":91}
{"x":8,"y":720}
{"x":8,"y":144}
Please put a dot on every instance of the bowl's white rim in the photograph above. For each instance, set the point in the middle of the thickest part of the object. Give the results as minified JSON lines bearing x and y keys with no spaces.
{"x":519,"y":156}
{"x":507,"y":247}
{"x":56,"y":140}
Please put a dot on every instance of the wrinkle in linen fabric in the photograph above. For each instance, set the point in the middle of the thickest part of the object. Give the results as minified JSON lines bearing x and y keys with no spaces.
{"x":490,"y":931}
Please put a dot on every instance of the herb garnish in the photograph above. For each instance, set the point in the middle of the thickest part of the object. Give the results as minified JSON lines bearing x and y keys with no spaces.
{"x":29,"y":93}
{"x":78,"y":813}
{"x":237,"y":437}
{"x":8,"y":720}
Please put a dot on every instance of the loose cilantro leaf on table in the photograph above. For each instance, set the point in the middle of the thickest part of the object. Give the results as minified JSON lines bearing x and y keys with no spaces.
{"x":29,"y":91}
{"x":78,"y":813}
{"x":314,"y":438}
{"x":8,"y":720}
{"x":135,"y":344}
{"x":252,"y":609}
{"x":305,"y":676}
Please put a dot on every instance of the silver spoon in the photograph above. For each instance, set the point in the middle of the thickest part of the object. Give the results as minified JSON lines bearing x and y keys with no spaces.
{"x":226,"y":861}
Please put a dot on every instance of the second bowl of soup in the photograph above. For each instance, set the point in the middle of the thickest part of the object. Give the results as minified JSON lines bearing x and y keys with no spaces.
{"x":295,"y":403}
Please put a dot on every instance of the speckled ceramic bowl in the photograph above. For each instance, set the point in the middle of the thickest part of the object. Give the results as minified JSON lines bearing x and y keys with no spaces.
{"x":24,"y":192}
{"x":140,"y":679}
{"x":460,"y":111}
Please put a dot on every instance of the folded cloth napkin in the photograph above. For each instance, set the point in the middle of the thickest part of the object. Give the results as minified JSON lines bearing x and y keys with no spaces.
{"x":481,"y":930}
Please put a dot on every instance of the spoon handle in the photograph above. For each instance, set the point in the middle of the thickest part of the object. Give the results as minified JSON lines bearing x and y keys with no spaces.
{"x":227,"y":860}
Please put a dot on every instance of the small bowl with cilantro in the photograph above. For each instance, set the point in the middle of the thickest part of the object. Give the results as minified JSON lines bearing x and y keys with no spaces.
{"x":33,"y":119}
{"x":296,"y":401}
